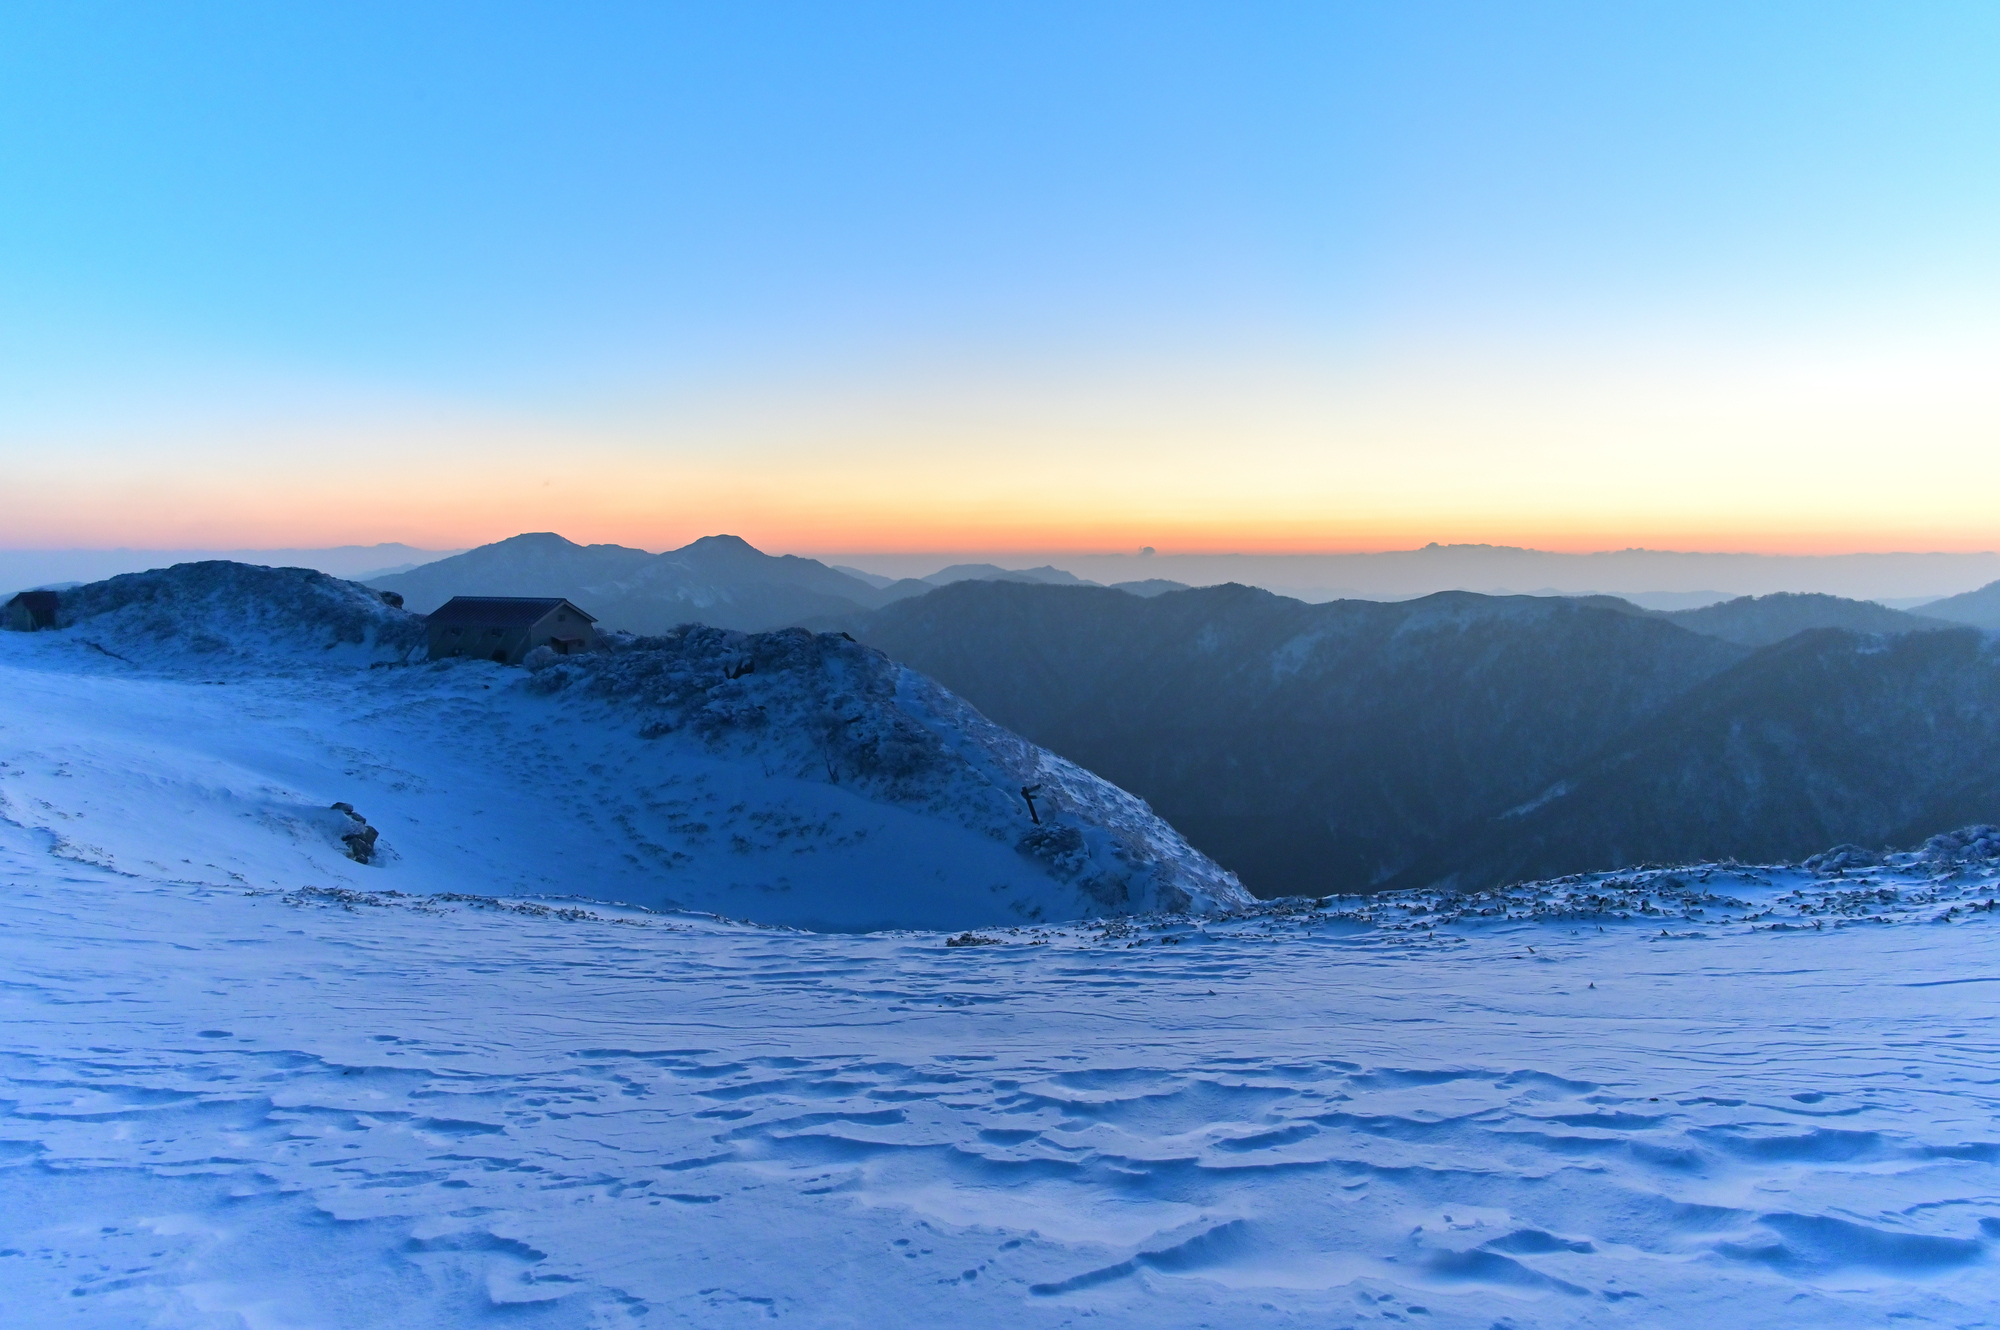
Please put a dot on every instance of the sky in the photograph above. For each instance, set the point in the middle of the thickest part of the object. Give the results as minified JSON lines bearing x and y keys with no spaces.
{"x":867,"y":277}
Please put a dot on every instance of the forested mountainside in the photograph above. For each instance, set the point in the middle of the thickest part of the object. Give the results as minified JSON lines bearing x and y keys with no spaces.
{"x":1344,"y":746}
{"x":1980,"y":609}
{"x":1311,"y":748}
{"x":1759,"y":621}
{"x":1831,"y":736}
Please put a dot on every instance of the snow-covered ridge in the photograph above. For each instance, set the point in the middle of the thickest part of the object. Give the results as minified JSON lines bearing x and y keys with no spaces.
{"x":820,"y":707}
{"x":1953,"y":875}
{"x":220,"y":609}
{"x":215,"y":722}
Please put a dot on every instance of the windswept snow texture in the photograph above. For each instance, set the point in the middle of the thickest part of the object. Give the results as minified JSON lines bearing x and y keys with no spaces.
{"x":1712,"y":1097}
{"x":188,"y":726}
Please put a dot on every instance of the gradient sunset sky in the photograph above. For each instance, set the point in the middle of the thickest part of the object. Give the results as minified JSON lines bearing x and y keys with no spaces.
{"x":855,"y":277}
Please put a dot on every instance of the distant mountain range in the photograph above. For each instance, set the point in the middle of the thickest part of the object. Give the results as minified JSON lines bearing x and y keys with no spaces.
{"x":1468,"y":739}
{"x":1759,"y":621}
{"x":1656,"y":579}
{"x":718,"y":580}
{"x":1829,"y":736}
{"x":1457,"y":738}
{"x":721,"y":581}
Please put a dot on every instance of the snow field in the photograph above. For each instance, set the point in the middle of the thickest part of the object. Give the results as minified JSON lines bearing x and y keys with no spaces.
{"x":307,"y":1109}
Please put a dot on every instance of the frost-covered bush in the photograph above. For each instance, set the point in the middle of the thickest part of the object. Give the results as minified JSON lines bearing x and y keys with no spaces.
{"x":1977,"y":844}
{"x":1841,"y":858}
{"x":822,"y":695}
{"x":1966,"y":845}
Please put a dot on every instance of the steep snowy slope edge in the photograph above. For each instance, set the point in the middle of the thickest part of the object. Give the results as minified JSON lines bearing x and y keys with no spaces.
{"x":824,"y":708}
{"x":241,"y":611}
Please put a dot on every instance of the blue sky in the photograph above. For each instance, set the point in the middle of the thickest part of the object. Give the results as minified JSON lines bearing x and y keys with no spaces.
{"x":673,"y":240}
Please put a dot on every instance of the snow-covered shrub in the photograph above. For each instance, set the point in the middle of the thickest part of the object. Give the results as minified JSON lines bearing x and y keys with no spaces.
{"x":1840,"y":858}
{"x":1061,"y":848}
{"x":1966,"y":845}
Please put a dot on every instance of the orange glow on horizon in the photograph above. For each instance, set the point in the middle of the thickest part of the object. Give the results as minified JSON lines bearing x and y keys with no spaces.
{"x":835,"y":538}
{"x":1861,"y":441}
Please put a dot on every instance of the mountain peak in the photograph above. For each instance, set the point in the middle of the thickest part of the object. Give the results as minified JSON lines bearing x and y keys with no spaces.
{"x":541,"y":540}
{"x":720,"y":544}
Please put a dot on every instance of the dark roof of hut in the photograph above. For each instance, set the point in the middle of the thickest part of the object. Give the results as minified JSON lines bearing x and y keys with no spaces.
{"x":40,"y":604}
{"x":502,"y":611}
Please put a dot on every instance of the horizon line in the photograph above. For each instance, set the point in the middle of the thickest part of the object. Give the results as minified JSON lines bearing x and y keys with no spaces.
{"x":963,"y":553}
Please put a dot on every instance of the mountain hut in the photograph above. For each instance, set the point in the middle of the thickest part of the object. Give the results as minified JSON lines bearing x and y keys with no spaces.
{"x":507,"y":628}
{"x":30,"y":610}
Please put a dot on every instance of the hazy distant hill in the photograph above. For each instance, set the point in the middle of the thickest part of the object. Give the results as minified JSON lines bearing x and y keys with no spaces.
{"x":535,"y":564}
{"x":1831,"y":736}
{"x":1310,"y":748}
{"x":1152,"y":586}
{"x":725,"y":582}
{"x":721,"y":581}
{"x":1979,"y":608}
{"x":1758,"y":621}
{"x":1047,"y":574}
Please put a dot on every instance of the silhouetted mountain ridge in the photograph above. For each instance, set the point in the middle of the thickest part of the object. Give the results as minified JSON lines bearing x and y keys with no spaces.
{"x":1830,"y":736}
{"x":1349,"y":745}
{"x":1979,"y":608}
{"x":1313,"y":748}
{"x":722,"y":581}
{"x":1759,"y":621}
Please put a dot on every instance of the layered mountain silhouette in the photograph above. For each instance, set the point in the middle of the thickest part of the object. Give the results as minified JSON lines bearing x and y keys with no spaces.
{"x":1469,"y":739}
{"x":1759,"y":621}
{"x":1353,"y":745}
{"x":721,"y":581}
{"x":1979,"y":608}
{"x":1828,"y":737}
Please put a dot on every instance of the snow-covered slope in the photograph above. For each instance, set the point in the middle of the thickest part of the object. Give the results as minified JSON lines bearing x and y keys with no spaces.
{"x":1712,"y":1097}
{"x":188,"y":725}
